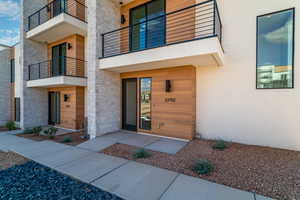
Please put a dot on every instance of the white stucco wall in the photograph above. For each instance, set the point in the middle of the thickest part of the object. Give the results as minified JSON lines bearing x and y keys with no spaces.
{"x":228,"y":104}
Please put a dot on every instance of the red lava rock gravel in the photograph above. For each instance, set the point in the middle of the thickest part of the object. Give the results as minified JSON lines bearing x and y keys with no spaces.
{"x":267,"y":171}
{"x":76,"y":138}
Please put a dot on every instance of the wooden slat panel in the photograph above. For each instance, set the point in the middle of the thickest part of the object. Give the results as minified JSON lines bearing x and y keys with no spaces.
{"x":172,"y":119}
{"x":74,"y":67}
{"x":72,"y":111}
{"x":75,"y":8}
{"x":176,"y":23}
{"x":181,"y":21}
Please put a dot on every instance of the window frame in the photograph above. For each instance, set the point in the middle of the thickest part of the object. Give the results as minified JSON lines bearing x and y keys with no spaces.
{"x":17,"y":113}
{"x":140,"y":104}
{"x":293,"y":48}
{"x":12,"y":70}
{"x":131,"y":25}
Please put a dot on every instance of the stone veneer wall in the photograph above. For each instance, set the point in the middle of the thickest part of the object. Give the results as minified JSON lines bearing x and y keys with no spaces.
{"x":104,"y":88}
{"x":5,"y":86}
{"x":34,"y":101}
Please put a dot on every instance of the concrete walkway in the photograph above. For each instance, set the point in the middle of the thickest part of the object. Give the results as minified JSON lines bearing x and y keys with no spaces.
{"x":164,"y":145}
{"x":127,"y":179}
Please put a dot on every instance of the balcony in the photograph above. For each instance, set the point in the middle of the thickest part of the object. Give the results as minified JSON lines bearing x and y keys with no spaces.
{"x":189,"y":36}
{"x":61,"y":72}
{"x":57,"y":20}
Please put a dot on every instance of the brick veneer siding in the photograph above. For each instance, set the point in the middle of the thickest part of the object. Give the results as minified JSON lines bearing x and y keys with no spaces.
{"x":34,"y":101}
{"x":103,"y":87}
{"x":5,"y":86}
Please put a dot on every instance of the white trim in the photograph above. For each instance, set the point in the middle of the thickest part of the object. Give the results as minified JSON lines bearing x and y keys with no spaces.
{"x":57,"y":28}
{"x":172,"y":138}
{"x":205,"y":52}
{"x":58,"y":81}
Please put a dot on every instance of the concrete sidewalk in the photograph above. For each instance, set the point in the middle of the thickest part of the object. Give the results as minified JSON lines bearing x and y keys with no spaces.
{"x":154,"y":143}
{"x":127,"y":179}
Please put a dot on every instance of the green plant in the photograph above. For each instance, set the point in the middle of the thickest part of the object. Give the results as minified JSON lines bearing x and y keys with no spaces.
{"x":10,"y":125}
{"x":37,"y":130}
{"x":67,"y":139}
{"x":28,"y":131}
{"x":51,"y":132}
{"x":51,"y":137}
{"x":141,"y":153}
{"x":203,"y":167}
{"x":220,"y":145}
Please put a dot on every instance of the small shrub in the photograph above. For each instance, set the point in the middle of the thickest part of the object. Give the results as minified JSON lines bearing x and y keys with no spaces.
{"x":203,"y":167}
{"x":37,"y":130}
{"x":220,"y":145}
{"x":51,"y":132}
{"x":10,"y":125}
{"x":141,"y":153}
{"x":67,"y":139}
{"x":51,"y":137}
{"x":28,"y":131}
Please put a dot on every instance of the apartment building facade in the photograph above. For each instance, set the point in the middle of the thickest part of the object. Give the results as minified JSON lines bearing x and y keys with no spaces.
{"x":9,"y":89}
{"x":180,"y":69}
{"x":54,"y":81}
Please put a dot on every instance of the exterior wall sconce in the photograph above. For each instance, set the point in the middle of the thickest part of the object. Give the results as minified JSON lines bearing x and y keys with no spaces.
{"x":69,"y":46}
{"x":66,"y":97}
{"x":168,"y":86}
{"x":123,"y":19}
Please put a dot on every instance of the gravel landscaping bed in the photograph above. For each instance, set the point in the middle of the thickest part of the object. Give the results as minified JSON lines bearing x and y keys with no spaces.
{"x":267,"y":171}
{"x":9,"y":159}
{"x":3,"y":129}
{"x":76,"y":138}
{"x":32,"y":181}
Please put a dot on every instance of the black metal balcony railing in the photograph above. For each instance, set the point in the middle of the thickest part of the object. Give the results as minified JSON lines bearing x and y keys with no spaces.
{"x":75,"y":8}
{"x":195,"y":22}
{"x":63,"y":66}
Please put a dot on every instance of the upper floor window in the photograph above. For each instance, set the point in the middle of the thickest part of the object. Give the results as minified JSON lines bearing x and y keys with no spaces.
{"x":148,"y":25}
{"x":12,"y":70}
{"x":275,"y":50}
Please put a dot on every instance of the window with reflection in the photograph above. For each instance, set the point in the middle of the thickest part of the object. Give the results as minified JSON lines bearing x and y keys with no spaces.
{"x":275,"y":50}
{"x":145,"y":103}
{"x":148,"y":25}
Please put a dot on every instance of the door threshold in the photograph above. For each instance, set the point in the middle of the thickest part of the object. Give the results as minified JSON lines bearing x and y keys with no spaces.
{"x":160,"y":136}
